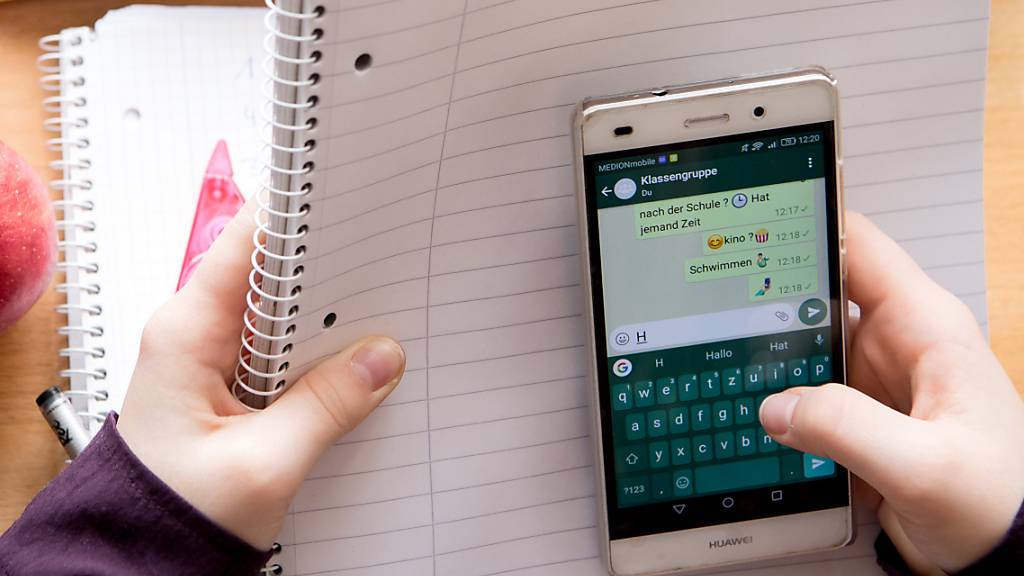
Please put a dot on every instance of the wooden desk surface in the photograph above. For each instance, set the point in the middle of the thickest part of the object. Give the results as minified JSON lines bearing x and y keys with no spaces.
{"x":28,"y":351}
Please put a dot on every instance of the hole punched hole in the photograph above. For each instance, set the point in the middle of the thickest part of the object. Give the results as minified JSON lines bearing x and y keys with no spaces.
{"x":313,"y":100}
{"x":318,"y":12}
{"x":296,"y":290}
{"x":330,"y":319}
{"x":280,"y":383}
{"x":318,"y":33}
{"x":286,"y":348}
{"x":363,"y":62}
{"x":304,"y":229}
{"x":300,"y":250}
{"x":309,"y":145}
{"x":316,"y":55}
{"x":314,"y":78}
{"x":276,"y":547}
{"x":308,"y":166}
{"x":311,"y":123}
{"x":306,"y":187}
{"x":623,"y":130}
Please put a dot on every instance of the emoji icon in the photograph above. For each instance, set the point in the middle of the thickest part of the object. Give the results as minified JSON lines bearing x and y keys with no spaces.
{"x":622,"y":367}
{"x":739,"y":200}
{"x":764,"y":290}
{"x":715,"y":241}
{"x":761,"y":235}
{"x":762,"y":260}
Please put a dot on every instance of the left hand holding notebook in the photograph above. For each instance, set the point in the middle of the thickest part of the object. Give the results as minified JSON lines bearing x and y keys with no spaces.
{"x":181,"y":420}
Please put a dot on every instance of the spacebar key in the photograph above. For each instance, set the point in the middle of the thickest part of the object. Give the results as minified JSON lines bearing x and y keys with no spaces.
{"x":737,"y":475}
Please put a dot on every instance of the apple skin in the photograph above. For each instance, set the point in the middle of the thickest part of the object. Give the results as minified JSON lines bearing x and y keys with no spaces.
{"x":28,"y":237}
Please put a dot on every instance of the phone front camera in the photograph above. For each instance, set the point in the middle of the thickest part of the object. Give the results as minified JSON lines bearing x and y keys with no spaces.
{"x":758,"y":112}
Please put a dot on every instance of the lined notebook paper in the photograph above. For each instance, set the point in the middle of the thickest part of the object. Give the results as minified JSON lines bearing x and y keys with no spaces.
{"x":161,"y":86}
{"x":443,"y":215}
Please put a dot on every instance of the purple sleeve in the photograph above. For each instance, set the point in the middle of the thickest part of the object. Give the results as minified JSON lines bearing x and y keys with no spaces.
{"x":1009,"y":552}
{"x":107,"y":514}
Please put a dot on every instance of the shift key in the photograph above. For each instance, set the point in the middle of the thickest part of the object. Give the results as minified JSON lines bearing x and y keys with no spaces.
{"x":737,"y":475}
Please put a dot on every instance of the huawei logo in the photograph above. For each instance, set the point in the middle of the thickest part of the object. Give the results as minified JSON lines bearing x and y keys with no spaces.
{"x":725,"y":542}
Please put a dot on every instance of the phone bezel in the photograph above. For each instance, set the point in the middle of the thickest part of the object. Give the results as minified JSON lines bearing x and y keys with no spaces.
{"x":662,"y":117}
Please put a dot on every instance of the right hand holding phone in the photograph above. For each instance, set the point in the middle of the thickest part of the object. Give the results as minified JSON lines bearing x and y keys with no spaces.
{"x":932,"y":421}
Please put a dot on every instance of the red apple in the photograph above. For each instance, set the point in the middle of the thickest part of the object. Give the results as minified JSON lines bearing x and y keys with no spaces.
{"x":28,"y":237}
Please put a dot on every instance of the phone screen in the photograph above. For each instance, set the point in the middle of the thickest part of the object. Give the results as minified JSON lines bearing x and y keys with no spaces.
{"x":716,"y":280}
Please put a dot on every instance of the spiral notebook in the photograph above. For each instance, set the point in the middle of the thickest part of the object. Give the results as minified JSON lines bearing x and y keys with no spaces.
{"x":139,"y":103}
{"x":421,"y":186}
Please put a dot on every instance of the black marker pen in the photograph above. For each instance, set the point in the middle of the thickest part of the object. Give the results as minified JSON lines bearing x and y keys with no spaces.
{"x":64,"y":420}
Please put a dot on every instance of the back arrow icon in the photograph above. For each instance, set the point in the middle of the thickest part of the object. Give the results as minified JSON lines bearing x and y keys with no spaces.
{"x":606,"y":190}
{"x":679,"y":508}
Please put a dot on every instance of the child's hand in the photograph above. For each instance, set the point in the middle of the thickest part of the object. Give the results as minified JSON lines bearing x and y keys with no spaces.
{"x":239,"y":468}
{"x":932,"y":421}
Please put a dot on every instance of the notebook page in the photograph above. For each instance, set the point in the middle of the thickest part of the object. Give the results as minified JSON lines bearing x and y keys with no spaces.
{"x":445,"y":218}
{"x":165,"y":85}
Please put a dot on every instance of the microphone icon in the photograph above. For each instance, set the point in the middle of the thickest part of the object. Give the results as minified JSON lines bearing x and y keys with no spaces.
{"x":819,"y":339}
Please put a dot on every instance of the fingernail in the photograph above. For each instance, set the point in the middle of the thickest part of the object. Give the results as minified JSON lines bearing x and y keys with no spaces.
{"x":777,"y":412}
{"x":378,"y":362}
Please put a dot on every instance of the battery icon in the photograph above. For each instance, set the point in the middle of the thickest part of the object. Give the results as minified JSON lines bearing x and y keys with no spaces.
{"x":788,"y":141}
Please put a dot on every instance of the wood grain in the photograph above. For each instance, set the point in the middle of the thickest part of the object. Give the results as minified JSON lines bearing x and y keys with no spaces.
{"x":28,"y":351}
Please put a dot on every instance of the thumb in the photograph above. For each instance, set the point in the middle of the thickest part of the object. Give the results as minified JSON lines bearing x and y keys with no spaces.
{"x":872,"y":440}
{"x":332,"y":399}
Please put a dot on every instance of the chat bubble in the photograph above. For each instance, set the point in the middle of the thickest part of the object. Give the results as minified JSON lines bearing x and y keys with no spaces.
{"x":758,"y":236}
{"x":723,"y":209}
{"x":782,"y":283}
{"x":748,"y":262}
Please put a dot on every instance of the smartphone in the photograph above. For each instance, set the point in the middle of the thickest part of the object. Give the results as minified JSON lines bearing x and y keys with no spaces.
{"x":711,"y":221}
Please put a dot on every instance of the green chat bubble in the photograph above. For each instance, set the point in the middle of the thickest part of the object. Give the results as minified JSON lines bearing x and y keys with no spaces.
{"x":718,"y":210}
{"x":783,"y":283}
{"x":750,"y":262}
{"x":758,"y":236}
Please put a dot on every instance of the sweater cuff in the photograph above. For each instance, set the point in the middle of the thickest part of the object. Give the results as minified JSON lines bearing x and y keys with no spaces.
{"x":220,"y":551}
{"x":1009,"y":552}
{"x":107,"y":513}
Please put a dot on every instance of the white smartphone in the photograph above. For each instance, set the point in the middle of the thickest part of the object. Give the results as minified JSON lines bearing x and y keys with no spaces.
{"x":711,"y":221}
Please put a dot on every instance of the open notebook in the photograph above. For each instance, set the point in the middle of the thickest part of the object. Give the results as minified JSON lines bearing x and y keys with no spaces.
{"x":422,"y":187}
{"x":140,"y":102}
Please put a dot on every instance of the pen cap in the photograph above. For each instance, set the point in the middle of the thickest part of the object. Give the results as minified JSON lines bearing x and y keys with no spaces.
{"x":48,"y":395}
{"x":63,"y":420}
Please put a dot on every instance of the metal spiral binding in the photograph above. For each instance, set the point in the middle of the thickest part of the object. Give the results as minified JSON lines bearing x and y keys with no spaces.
{"x":60,"y":63}
{"x":275,"y":280}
